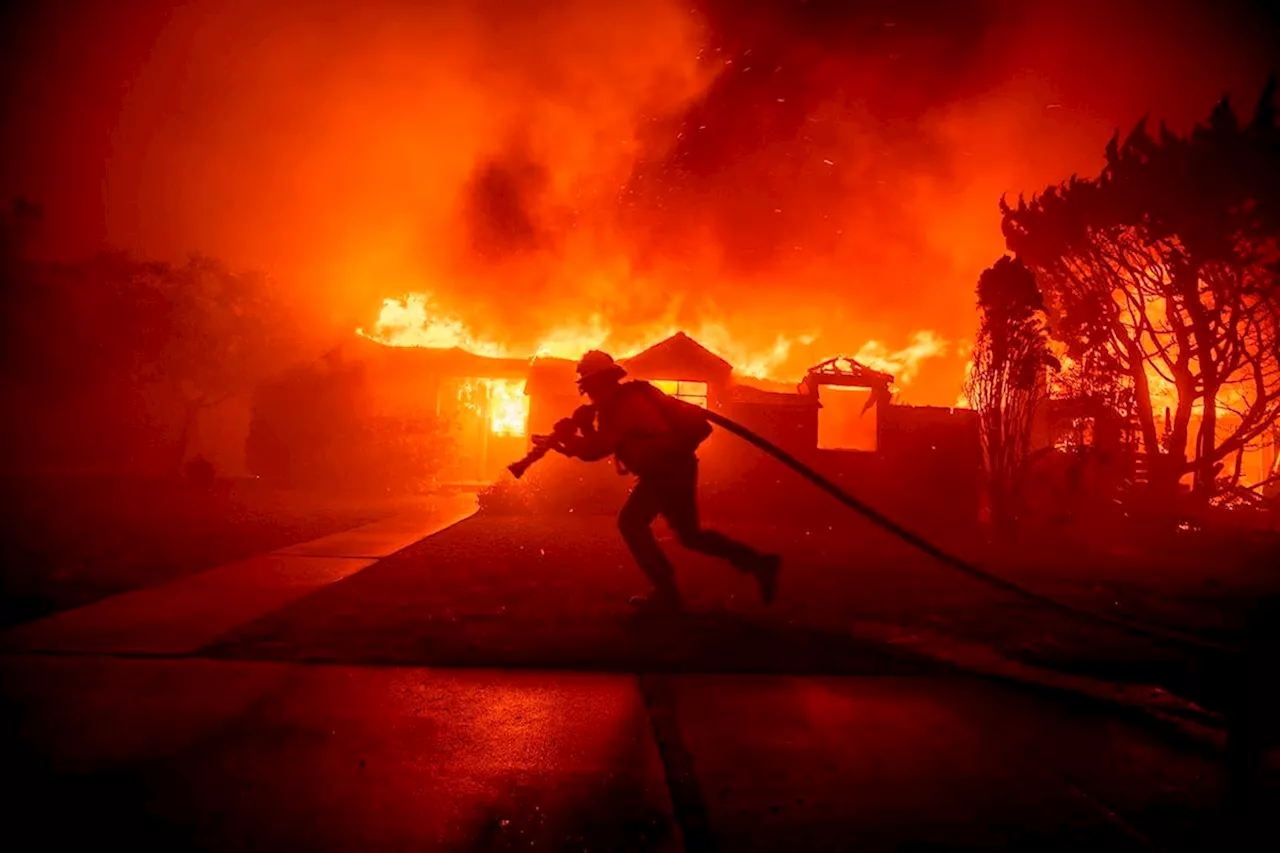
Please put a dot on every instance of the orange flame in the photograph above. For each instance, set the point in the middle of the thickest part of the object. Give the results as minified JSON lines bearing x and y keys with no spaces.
{"x":903,"y":364}
{"x":415,"y":321}
{"x":502,"y":402}
{"x":508,"y":407}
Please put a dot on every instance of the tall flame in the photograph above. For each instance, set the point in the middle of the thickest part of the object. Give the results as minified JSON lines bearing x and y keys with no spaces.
{"x":416,"y":321}
{"x":902,"y":364}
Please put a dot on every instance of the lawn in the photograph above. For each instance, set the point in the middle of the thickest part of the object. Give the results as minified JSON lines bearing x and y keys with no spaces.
{"x":69,"y":541}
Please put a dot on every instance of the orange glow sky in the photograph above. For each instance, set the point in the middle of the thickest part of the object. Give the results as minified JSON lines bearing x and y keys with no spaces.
{"x":795,"y":171}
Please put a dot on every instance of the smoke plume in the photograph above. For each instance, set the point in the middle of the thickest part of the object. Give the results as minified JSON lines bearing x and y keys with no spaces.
{"x":814,"y":178}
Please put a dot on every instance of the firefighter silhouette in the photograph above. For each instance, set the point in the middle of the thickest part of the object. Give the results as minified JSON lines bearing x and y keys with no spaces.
{"x":655,"y":437}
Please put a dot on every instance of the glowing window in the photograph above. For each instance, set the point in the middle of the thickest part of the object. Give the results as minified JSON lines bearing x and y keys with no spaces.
{"x":842,"y":424}
{"x":502,"y":403}
{"x":508,"y":407}
{"x":681,"y":389}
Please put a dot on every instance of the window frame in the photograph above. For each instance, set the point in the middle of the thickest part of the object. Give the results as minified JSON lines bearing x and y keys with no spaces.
{"x":694,"y":391}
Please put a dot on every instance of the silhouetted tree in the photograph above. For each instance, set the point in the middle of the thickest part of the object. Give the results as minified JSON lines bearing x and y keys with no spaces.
{"x":313,"y":427}
{"x":1163,"y":272}
{"x":72,"y":342}
{"x":109,"y":360}
{"x":1006,"y":383}
{"x":224,"y":333}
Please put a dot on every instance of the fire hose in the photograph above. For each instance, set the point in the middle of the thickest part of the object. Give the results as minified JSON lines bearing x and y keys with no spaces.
{"x":1163,"y":636}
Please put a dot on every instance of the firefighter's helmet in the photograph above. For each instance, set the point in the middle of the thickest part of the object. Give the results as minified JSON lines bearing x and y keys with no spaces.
{"x":596,"y":365}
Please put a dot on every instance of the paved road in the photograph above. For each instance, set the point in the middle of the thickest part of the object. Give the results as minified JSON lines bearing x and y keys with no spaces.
{"x":297,"y":702}
{"x":218,"y":755}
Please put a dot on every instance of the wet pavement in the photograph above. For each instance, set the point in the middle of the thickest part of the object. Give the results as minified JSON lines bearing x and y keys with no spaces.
{"x":161,"y":754}
{"x":219,"y":755}
{"x":344,"y":694}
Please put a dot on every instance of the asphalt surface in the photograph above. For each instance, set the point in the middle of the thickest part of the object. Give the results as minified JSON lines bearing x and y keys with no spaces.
{"x":552,"y":592}
{"x":488,"y":688}
{"x":217,"y":755}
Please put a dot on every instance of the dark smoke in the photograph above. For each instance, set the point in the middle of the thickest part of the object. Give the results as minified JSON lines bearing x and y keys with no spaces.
{"x":501,"y":203}
{"x":780,"y":167}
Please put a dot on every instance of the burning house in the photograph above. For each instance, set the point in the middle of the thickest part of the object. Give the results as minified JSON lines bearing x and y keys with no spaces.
{"x":479,"y":401}
{"x":840,"y":419}
{"x":392,"y":418}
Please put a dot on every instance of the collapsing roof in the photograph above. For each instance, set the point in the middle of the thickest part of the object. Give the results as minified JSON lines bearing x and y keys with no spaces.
{"x":848,"y":373}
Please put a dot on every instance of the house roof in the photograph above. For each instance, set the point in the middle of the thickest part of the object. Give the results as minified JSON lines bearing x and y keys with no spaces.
{"x":679,"y":357}
{"x":452,"y":362}
{"x":552,"y":373}
{"x":846,"y":371}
